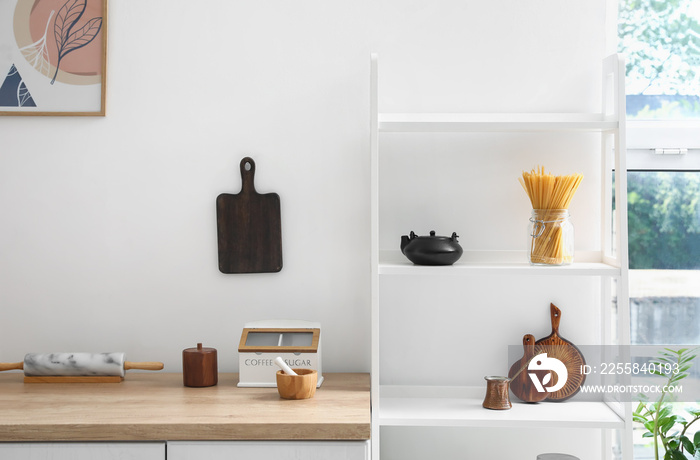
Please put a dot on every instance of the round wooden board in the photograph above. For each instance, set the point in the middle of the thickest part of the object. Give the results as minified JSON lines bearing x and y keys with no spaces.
{"x":558,"y":347}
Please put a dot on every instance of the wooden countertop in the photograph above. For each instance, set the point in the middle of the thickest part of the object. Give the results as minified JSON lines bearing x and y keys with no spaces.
{"x":156,"y":406}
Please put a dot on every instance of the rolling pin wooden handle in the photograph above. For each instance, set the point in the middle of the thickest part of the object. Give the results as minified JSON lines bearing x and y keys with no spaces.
{"x":148,"y":365}
{"x":11,"y":366}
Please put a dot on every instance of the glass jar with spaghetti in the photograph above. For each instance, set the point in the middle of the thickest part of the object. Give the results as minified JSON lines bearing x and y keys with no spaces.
{"x":550,"y":237}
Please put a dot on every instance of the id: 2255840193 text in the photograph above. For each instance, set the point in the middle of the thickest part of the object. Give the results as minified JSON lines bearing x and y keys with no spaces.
{"x":631,"y":369}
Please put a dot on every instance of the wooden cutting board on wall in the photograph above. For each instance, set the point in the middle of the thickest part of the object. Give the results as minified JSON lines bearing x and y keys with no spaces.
{"x":249,"y":228}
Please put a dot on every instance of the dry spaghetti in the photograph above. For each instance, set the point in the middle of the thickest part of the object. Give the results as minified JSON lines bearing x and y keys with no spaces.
{"x":550,"y":197}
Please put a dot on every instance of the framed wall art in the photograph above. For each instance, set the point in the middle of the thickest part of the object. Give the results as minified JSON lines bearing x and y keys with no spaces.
{"x":53,"y":57}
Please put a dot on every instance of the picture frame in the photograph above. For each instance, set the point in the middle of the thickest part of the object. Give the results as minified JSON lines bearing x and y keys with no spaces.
{"x":53,"y":57}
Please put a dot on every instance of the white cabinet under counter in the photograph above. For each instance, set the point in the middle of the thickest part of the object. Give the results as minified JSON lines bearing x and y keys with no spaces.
{"x":186,"y":450}
{"x":82,"y":451}
{"x":269,"y":450}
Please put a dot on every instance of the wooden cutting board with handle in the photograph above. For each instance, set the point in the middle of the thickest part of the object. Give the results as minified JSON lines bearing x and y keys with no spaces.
{"x":249,"y":227}
{"x":558,"y":347}
{"x":521,"y":385}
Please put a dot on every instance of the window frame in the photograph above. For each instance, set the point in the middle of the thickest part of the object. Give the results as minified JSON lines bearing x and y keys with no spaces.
{"x":663,"y":134}
{"x":649,"y":135}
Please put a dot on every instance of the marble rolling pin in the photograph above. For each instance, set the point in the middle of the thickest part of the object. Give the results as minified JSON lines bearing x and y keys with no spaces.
{"x":76,"y":367}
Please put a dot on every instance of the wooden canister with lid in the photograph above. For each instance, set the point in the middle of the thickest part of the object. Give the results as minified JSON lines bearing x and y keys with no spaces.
{"x":199,"y":367}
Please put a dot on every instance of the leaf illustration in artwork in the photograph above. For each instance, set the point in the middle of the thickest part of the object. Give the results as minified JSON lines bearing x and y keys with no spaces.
{"x":69,"y":14}
{"x":37,"y":53}
{"x":24,"y":97}
{"x":82,"y":36}
{"x":68,"y":40}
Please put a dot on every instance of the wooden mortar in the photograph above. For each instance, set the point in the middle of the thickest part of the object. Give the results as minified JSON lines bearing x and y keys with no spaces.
{"x":300,"y":386}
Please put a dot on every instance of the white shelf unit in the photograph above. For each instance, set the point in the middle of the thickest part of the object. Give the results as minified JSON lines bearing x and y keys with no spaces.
{"x":399,"y":404}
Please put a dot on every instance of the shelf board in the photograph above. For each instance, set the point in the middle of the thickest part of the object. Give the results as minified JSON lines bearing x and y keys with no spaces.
{"x":495,"y":263}
{"x":494,"y":122}
{"x":460,"y":406}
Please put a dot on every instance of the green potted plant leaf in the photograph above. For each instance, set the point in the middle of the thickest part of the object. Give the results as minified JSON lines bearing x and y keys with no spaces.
{"x":667,"y":428}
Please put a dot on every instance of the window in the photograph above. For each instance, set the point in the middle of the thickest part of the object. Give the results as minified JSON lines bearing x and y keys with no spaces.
{"x":660,"y":40}
{"x":664,"y":257}
{"x":664,"y":248}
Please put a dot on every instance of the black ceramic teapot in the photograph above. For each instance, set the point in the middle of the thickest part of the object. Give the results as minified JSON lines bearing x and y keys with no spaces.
{"x":431,"y":250}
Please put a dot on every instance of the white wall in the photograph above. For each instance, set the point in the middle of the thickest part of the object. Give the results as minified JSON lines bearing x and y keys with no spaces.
{"x":108,"y":225}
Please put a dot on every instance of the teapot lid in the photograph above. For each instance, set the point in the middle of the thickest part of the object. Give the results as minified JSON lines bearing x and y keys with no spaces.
{"x":432,"y":235}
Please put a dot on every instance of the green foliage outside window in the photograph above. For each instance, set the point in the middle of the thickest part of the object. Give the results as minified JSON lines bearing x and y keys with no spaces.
{"x":661,"y":43}
{"x":664,"y":220}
